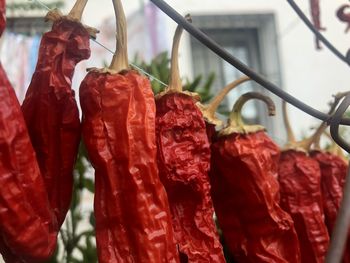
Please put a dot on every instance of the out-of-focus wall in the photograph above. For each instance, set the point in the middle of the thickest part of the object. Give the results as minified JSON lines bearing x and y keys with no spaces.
{"x":312,"y":76}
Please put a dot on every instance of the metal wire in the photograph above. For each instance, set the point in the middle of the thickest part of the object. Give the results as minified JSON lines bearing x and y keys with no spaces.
{"x":339,"y":236}
{"x":133,"y":65}
{"x":340,"y":232}
{"x":112,"y":52}
{"x":217,"y":49}
{"x":41,"y":3}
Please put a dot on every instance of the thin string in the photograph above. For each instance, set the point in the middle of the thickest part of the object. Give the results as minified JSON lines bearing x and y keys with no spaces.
{"x":41,"y":3}
{"x":110,"y":51}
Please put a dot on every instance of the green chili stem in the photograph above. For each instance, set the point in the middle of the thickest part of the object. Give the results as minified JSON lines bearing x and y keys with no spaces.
{"x":120,"y":58}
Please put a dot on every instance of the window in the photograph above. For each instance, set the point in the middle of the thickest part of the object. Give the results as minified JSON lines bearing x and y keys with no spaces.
{"x":252,"y":39}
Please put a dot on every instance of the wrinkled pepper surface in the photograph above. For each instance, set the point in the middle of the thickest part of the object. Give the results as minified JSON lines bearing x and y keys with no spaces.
{"x":28,"y":228}
{"x":333,"y":165}
{"x":133,"y":220}
{"x":299,"y":176}
{"x":333,"y":174}
{"x":184,"y":162}
{"x":246,"y":192}
{"x":50,"y":109}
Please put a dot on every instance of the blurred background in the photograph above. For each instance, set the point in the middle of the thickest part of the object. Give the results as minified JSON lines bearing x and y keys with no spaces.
{"x":266,"y":35}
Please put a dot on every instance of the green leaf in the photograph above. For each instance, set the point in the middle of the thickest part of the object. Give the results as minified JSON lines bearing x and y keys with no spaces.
{"x":92,"y":219}
{"x":89,"y":185}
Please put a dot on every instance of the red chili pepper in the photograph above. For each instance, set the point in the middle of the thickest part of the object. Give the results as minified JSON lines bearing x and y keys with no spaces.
{"x":2,"y":16}
{"x":315,"y":14}
{"x":333,"y":172}
{"x":28,"y":229}
{"x":300,"y":183}
{"x":344,"y":17}
{"x":27,"y":225}
{"x":133,"y":221}
{"x":184,"y":162}
{"x":50,"y":109}
{"x":246,"y":192}
{"x":333,"y":165}
{"x":209,"y":111}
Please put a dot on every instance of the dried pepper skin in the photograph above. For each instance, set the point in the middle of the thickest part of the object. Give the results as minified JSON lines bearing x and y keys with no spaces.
{"x":184,"y":162}
{"x":300,"y":184}
{"x":28,"y":227}
{"x":2,"y":16}
{"x":333,"y":175}
{"x":211,"y":131}
{"x":133,"y":221}
{"x":51,"y":112}
{"x":245,"y":192}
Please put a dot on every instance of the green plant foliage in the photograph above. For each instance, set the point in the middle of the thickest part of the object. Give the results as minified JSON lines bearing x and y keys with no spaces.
{"x":74,"y":245}
{"x":159,"y":67}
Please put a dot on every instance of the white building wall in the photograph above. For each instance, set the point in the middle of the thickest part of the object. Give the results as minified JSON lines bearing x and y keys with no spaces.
{"x":310,"y":75}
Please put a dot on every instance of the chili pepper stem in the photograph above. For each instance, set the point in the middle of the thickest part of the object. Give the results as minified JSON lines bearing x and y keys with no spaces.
{"x":75,"y":15}
{"x":335,"y":148}
{"x":236,"y":123}
{"x":209,"y":110}
{"x":305,"y":145}
{"x":77,"y":11}
{"x":120,"y":58}
{"x":290,"y":133}
{"x":174,"y":79}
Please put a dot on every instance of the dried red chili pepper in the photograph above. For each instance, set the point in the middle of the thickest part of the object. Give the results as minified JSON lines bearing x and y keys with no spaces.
{"x":133,"y":221}
{"x":209,"y":111}
{"x":2,"y":16}
{"x":50,"y":109}
{"x":300,"y":184}
{"x":344,"y":17}
{"x":184,"y":162}
{"x":246,"y":193}
{"x":334,"y":167}
{"x":27,"y":226}
{"x":315,"y":14}
{"x":333,"y":174}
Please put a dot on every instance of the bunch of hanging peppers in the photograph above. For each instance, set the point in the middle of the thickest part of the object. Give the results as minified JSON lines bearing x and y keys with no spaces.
{"x":246,"y":192}
{"x":161,"y":164}
{"x":28,"y":228}
{"x":40,"y":149}
{"x":301,"y":195}
{"x":333,"y":165}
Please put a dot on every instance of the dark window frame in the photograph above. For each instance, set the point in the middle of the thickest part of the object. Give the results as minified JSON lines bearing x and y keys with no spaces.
{"x":268,"y":50}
